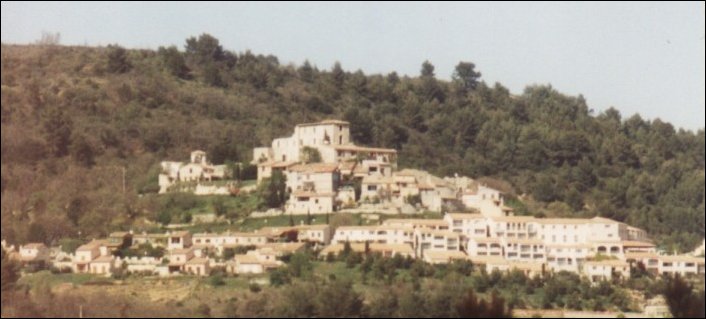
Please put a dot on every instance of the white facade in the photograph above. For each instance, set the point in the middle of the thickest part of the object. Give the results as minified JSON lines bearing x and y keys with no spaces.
{"x":34,"y":253}
{"x":198,"y":170}
{"x":321,"y":136}
{"x":374,"y":234}
{"x":606,"y":270}
{"x":487,"y":201}
{"x":302,"y":203}
{"x":179,"y":240}
{"x":426,"y":240}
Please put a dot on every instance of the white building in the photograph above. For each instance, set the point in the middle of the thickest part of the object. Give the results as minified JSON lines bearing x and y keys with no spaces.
{"x":87,"y":254}
{"x":426,"y":240}
{"x":36,"y":253}
{"x":331,"y":138}
{"x":374,"y":234}
{"x":197,"y":170}
{"x":487,"y":201}
{"x":253,"y":262}
{"x":606,"y":270}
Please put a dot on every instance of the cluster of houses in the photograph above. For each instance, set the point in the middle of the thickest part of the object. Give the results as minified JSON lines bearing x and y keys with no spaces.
{"x":328,"y":183}
{"x":598,"y":248}
{"x":183,"y":252}
{"x":323,"y":168}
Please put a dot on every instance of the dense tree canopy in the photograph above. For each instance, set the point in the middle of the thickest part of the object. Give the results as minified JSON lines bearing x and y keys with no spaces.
{"x":65,"y":120}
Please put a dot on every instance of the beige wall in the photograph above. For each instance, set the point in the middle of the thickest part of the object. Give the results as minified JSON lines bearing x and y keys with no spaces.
{"x":375,"y":234}
{"x":311,"y":205}
{"x":321,"y":182}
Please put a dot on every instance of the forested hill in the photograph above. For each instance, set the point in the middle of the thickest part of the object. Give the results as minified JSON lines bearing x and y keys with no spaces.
{"x":72,"y":117}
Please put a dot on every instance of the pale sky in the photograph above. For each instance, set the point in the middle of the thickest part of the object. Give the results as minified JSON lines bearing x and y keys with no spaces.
{"x":638,"y":57}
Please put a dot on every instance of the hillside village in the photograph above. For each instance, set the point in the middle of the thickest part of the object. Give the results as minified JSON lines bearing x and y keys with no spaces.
{"x":322,"y":167}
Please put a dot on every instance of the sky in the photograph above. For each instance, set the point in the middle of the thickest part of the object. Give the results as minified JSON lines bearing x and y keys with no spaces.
{"x":646,"y":58}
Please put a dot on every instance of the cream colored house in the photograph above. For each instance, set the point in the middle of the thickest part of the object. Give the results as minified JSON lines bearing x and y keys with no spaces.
{"x":254,"y":262}
{"x":330,"y":137}
{"x":485,"y":246}
{"x":426,"y":240}
{"x":87,"y":254}
{"x":487,"y":201}
{"x":682,"y":265}
{"x":34,"y":254}
{"x":468,"y":225}
{"x":221,"y":241}
{"x":302,"y":203}
{"x":433,"y":224}
{"x":320,"y":234}
{"x":197,"y":170}
{"x":383,"y":234}
{"x":608,"y":270}
{"x":667,"y":265}
{"x":317,"y":178}
{"x":313,"y":188}
{"x":376,"y":188}
{"x":102,"y":266}
{"x":198,"y":267}
{"x":178,"y":259}
{"x":524,"y":249}
{"x":179,"y":240}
